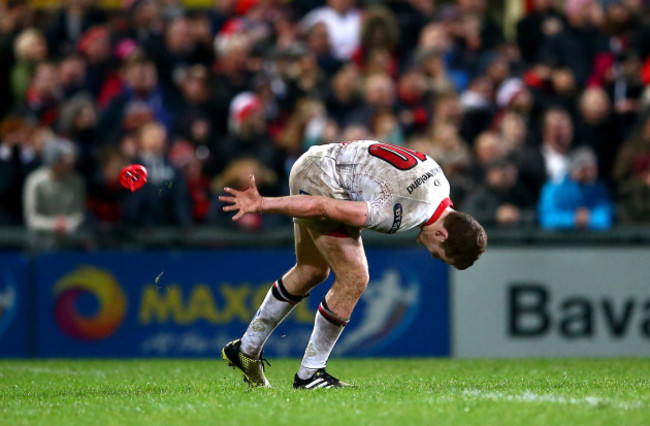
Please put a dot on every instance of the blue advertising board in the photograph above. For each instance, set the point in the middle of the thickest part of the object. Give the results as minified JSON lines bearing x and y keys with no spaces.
{"x":189,"y":304}
{"x":14,"y":304}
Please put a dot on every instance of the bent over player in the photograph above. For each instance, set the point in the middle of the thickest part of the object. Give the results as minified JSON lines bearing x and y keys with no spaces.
{"x":336,"y":191}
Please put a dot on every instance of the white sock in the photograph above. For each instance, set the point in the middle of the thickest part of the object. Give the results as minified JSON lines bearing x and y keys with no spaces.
{"x":276,"y":306}
{"x":327,"y":330}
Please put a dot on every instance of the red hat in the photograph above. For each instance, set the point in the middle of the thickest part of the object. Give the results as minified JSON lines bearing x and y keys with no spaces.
{"x":242,"y":106}
{"x":92,"y":35}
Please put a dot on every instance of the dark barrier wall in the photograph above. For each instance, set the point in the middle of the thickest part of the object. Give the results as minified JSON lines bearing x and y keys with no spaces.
{"x":15,"y":294}
{"x":191,"y":303}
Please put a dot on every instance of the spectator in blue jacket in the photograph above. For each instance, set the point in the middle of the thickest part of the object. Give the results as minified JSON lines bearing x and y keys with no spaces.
{"x":579,"y":201}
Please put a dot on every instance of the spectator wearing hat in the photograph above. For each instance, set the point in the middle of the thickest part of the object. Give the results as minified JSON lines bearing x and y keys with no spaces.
{"x":95,"y":47}
{"x":30,"y":49}
{"x":579,"y":201}
{"x":501,"y":199}
{"x":248,"y":135}
{"x":54,"y":195}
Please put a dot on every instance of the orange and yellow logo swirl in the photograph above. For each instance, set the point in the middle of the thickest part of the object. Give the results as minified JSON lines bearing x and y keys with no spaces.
{"x":111,"y":304}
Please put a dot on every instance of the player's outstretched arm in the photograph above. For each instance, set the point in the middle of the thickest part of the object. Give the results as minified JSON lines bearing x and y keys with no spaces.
{"x":352,"y":213}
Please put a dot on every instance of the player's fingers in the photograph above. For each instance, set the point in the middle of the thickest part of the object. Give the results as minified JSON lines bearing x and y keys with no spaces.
{"x":230,"y":208}
{"x":238,"y":215}
{"x":231,"y":191}
{"x":251,"y":178}
{"x":227,"y":199}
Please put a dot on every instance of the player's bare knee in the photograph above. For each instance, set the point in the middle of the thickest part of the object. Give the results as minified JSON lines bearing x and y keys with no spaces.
{"x":354,"y":281}
{"x":313,"y":275}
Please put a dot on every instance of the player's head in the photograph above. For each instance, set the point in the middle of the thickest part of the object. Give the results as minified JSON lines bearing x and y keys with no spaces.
{"x":457,"y":239}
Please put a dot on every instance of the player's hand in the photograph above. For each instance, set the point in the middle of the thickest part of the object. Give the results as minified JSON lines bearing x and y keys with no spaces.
{"x":249,"y":201}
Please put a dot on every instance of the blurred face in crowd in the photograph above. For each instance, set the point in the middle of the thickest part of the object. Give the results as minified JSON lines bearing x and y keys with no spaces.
{"x":412,"y":86}
{"x":100,"y":49}
{"x":502,"y":177}
{"x":448,"y":109}
{"x":489,"y":147}
{"x":564,"y":82}
{"x":594,"y":105}
{"x":345,"y":82}
{"x":153,"y":139}
{"x":179,"y":36}
{"x":318,"y":39}
{"x":46,"y":80}
{"x":254,"y":123}
{"x":146,"y":14}
{"x":72,"y":71}
{"x":341,"y":6}
{"x":63,"y":166}
{"x":380,"y":91}
{"x":585,"y":174}
{"x":194,"y":86}
{"x":142,"y":77}
{"x":558,"y":130}
{"x":31,"y":46}
{"x":434,"y":36}
{"x":86,"y":118}
{"x":472,"y":6}
{"x":513,"y":131}
{"x":445,"y":136}
{"x":543,"y":5}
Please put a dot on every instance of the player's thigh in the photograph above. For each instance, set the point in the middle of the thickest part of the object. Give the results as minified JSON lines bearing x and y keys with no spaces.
{"x":345,"y":256}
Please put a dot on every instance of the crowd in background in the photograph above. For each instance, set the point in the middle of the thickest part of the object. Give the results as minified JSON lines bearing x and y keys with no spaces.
{"x":548,"y":127}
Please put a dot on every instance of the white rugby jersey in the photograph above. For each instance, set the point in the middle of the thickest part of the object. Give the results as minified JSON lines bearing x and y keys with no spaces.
{"x":402,"y":188}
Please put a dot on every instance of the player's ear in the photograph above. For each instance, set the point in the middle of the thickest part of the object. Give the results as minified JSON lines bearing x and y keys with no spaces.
{"x":441,"y":234}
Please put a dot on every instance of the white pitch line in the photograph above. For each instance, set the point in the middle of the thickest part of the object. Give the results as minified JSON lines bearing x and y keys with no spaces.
{"x":532,"y":397}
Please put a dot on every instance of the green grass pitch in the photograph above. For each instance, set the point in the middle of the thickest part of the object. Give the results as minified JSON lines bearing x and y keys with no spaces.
{"x":390,"y":392}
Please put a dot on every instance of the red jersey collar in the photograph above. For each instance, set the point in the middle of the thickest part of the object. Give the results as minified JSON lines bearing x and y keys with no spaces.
{"x":441,"y":208}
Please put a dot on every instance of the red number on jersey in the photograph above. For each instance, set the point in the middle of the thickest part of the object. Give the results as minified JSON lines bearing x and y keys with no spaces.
{"x":397,"y":156}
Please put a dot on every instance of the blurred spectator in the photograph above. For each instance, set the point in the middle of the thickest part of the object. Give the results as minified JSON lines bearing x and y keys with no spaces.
{"x":501,"y":200}
{"x":343,"y":21}
{"x":18,"y":158}
{"x":319,"y":44}
{"x":550,"y":161}
{"x":54,"y":196}
{"x":183,"y":157}
{"x":579,"y":201}
{"x":105,"y":192}
{"x":164,"y":200}
{"x":412,"y":102}
{"x":478,"y":110}
{"x":633,"y":154}
{"x":575,"y":45}
{"x":513,"y":132}
{"x":30,"y":49}
{"x":379,"y":36}
{"x":141,"y":100}
{"x":146,"y":23}
{"x":44,"y":94}
{"x":72,"y":74}
{"x":78,"y":122}
{"x":596,"y":129}
{"x":95,"y":48}
{"x":379,"y":97}
{"x":248,"y":136}
{"x":542,"y":22}
{"x":15,"y":16}
{"x":343,"y":98}
{"x":70,"y":22}
{"x":179,"y":51}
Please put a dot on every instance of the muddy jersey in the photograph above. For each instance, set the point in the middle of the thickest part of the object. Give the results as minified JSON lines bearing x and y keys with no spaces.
{"x":402,"y":188}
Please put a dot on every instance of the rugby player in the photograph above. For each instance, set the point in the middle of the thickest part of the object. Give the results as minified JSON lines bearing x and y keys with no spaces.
{"x":336,"y":191}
